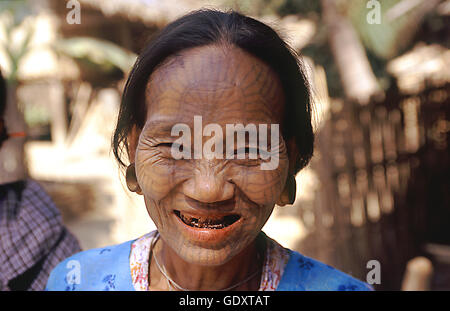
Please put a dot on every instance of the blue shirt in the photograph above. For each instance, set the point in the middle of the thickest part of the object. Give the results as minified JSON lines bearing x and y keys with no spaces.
{"x":108,"y":268}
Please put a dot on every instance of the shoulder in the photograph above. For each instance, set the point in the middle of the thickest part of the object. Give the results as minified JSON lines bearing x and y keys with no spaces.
{"x":31,"y":235}
{"x":26,"y":201}
{"x":304,"y":273}
{"x":105,"y":268}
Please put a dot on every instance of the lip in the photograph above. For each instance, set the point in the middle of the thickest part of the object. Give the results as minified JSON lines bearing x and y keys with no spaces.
{"x":205,"y":235}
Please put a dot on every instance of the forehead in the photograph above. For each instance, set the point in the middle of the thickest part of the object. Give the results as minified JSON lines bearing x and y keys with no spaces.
{"x":224,"y":85}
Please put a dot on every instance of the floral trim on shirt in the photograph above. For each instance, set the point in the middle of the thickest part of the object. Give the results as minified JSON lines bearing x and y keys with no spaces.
{"x":274,"y":263}
{"x":139,"y":256}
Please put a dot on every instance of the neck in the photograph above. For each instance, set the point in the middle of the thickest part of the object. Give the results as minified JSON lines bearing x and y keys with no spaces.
{"x":199,"y":277}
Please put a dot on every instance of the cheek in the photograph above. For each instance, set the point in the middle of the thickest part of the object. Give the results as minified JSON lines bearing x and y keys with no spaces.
{"x":155,"y":183}
{"x":160,"y":216}
{"x":263,"y":187}
{"x":156,"y":174}
{"x":154,"y":180}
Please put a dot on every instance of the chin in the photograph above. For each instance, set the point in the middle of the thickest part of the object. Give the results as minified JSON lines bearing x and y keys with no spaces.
{"x":208,"y":257}
{"x":195,"y":254}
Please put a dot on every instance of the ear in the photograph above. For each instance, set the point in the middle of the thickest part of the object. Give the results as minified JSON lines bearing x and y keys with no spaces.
{"x":132,"y":142}
{"x":288,"y":195}
{"x":130,"y":177}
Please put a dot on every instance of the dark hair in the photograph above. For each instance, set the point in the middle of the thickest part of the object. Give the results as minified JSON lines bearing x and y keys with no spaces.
{"x":206,"y":27}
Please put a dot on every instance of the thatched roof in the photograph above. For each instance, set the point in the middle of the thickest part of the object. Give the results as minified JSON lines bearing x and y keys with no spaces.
{"x":160,"y":12}
{"x":151,"y":12}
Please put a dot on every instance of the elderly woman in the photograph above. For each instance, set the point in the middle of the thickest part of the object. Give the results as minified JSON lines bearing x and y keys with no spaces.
{"x":208,"y":72}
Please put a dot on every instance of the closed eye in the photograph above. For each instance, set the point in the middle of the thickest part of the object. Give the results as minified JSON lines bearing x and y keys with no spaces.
{"x":166,"y":146}
{"x":252,"y":152}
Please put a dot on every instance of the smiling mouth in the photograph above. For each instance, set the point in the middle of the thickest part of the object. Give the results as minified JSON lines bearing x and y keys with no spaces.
{"x":207,"y":222}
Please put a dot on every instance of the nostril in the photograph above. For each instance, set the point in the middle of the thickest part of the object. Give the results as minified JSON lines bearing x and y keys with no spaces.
{"x":207,"y":188}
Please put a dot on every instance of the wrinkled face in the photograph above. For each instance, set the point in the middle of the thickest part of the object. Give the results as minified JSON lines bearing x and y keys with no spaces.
{"x":209,"y":209}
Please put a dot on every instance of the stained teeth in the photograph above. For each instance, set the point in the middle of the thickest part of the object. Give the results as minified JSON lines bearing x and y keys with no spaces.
{"x":210,"y":223}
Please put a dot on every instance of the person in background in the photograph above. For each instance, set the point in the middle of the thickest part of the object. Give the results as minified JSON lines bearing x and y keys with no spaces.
{"x":33,"y":239}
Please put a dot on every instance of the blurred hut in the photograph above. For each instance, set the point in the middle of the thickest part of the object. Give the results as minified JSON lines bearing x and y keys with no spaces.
{"x":384,"y":174}
{"x":377,"y":185}
{"x":126,"y":23}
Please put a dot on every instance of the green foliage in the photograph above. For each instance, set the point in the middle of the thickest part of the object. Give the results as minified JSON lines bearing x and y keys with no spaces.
{"x":104,"y":55}
{"x":36,"y":115}
{"x":19,"y":9}
{"x":13,"y":14}
{"x":389,"y":38}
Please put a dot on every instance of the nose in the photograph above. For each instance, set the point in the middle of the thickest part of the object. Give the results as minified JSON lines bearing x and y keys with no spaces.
{"x":208,"y":184}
